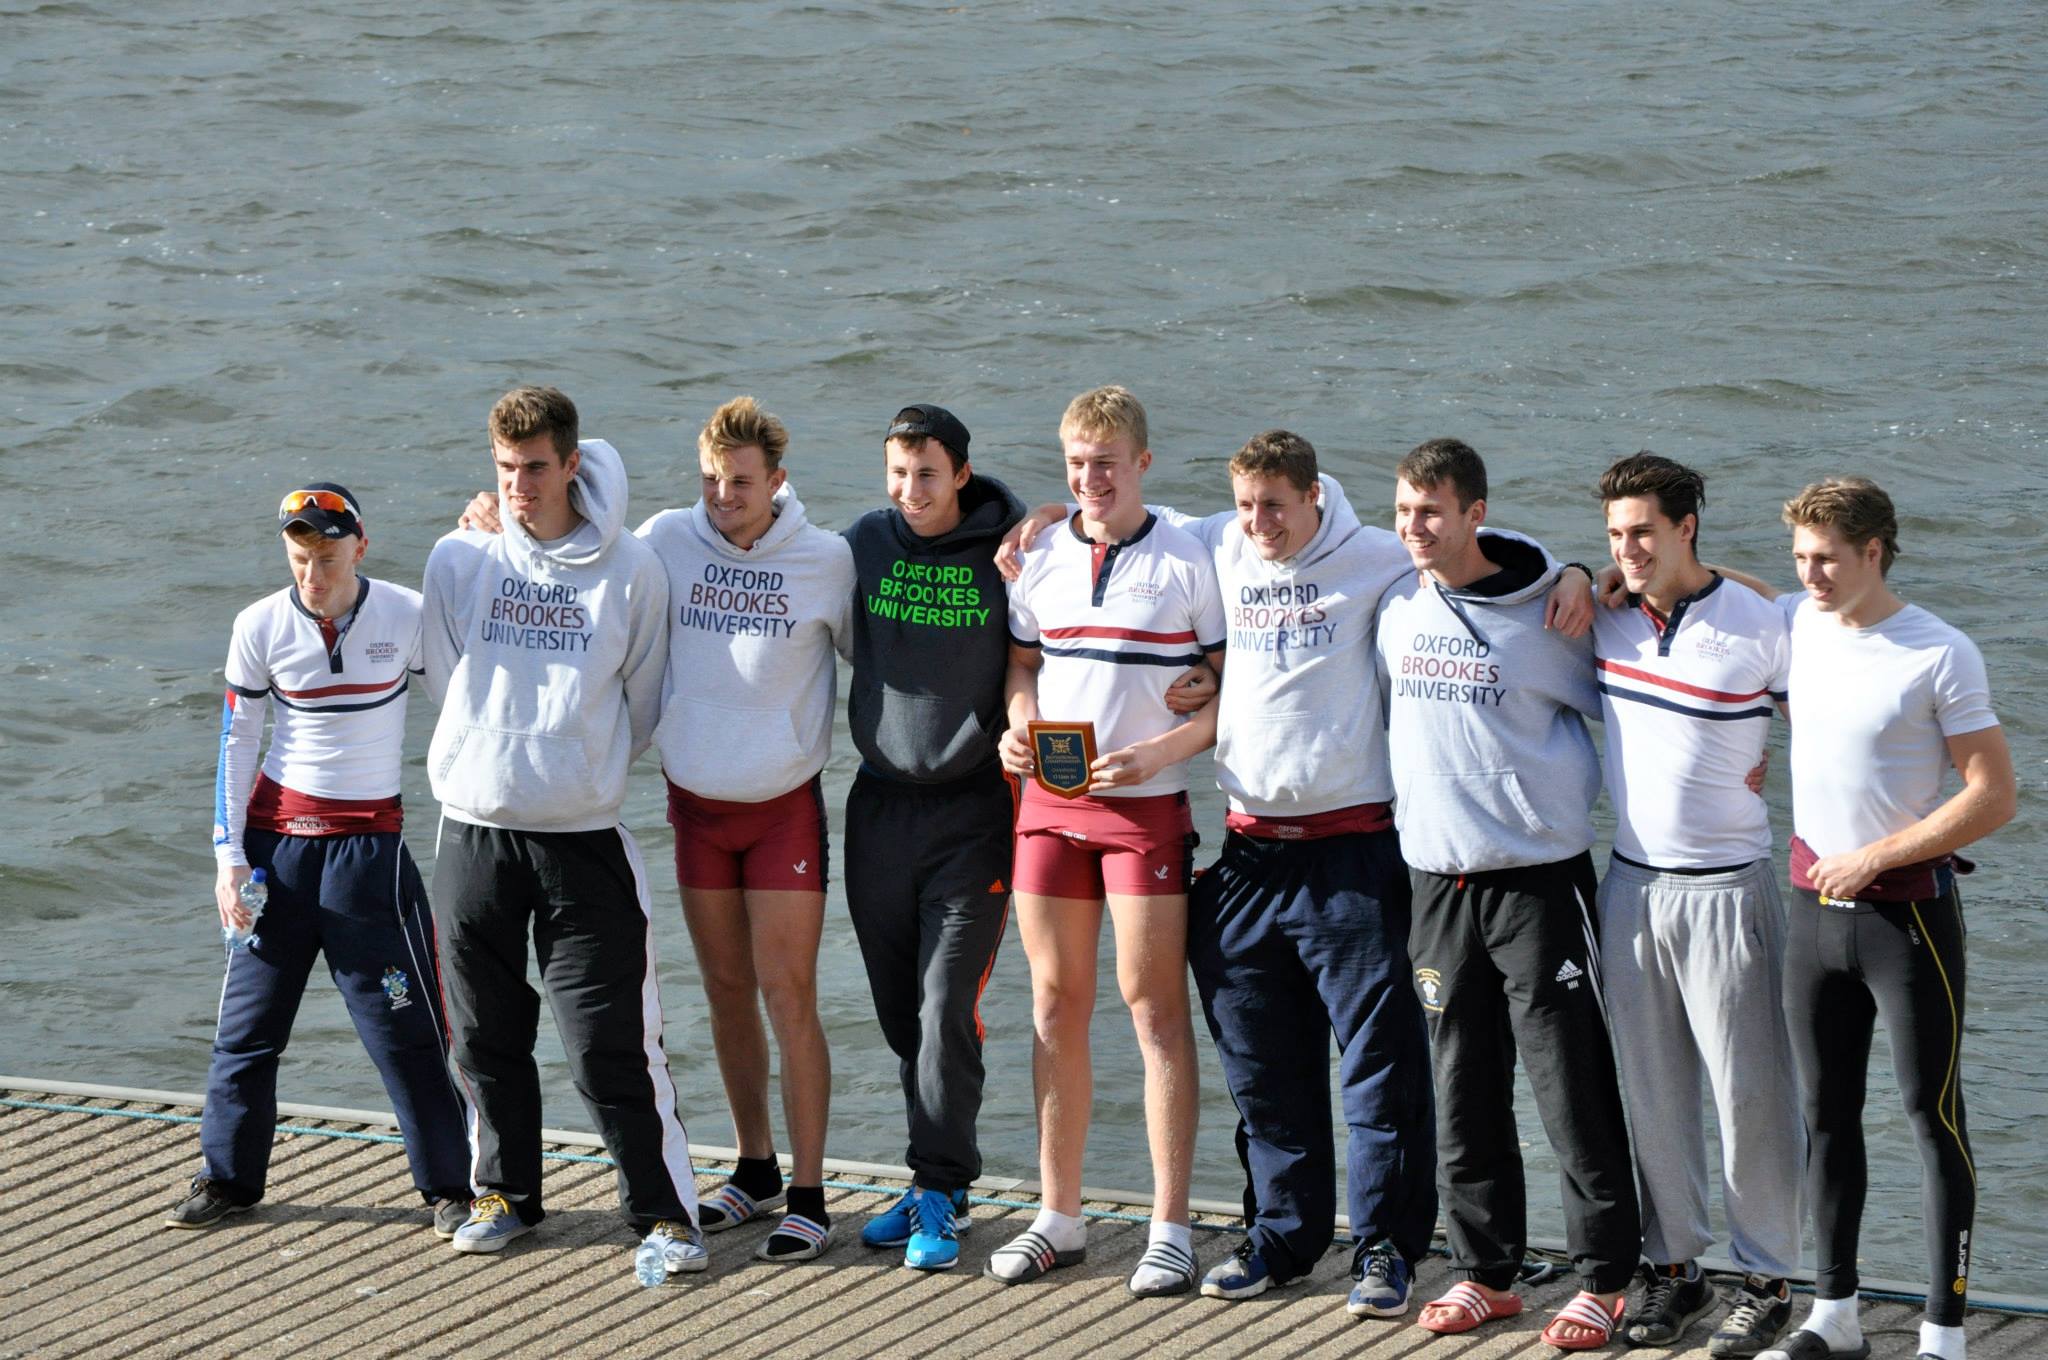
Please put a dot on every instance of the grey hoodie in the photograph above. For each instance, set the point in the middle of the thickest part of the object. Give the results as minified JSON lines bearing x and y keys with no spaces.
{"x":1300,"y":727}
{"x":746,"y":714}
{"x":1493,"y":766}
{"x":547,"y":661}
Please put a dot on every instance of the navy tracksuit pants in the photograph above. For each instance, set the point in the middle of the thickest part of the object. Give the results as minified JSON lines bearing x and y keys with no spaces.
{"x":1292,"y":942}
{"x":359,"y":900}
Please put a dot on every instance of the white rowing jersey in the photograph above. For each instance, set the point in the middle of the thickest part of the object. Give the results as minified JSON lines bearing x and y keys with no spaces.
{"x":1687,"y":703}
{"x":1872,"y":711}
{"x":1115,"y":624}
{"x":335,"y":748}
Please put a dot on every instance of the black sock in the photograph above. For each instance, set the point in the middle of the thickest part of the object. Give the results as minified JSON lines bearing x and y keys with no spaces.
{"x":809,"y":1200}
{"x":757,"y":1177}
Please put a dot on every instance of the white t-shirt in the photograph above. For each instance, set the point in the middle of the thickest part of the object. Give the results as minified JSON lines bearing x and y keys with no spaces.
{"x":1688,"y":709}
{"x":1116,"y":623}
{"x":340,"y":696}
{"x":1872,"y":709}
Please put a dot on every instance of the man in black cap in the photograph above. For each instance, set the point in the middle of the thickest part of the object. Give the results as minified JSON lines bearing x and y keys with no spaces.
{"x":928,"y":820}
{"x":319,"y":817}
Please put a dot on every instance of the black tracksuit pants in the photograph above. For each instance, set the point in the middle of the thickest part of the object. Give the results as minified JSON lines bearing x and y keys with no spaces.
{"x":1843,"y":969}
{"x":582,"y":896}
{"x":927,"y":887}
{"x":1507,"y":961}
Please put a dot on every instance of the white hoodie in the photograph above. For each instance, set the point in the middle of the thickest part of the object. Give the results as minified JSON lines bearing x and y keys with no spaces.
{"x":547,"y":661}
{"x":1299,"y":729}
{"x":746,"y":714}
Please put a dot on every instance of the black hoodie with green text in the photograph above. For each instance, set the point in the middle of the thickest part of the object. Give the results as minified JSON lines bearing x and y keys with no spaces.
{"x":931,"y":640}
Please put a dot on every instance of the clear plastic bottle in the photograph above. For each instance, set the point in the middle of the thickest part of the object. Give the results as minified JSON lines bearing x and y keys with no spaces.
{"x":255,"y":896}
{"x":648,"y":1266}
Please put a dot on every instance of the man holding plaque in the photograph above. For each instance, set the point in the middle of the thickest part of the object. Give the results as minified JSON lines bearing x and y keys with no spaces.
{"x":1299,"y":932}
{"x":1106,"y":613}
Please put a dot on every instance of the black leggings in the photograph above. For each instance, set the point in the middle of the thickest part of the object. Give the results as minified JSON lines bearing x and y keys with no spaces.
{"x":1844,"y":968}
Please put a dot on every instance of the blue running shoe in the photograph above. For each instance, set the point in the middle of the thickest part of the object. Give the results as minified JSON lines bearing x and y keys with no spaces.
{"x":1383,"y":1281}
{"x":492,"y":1224}
{"x":1242,"y":1276}
{"x":935,"y":1242}
{"x":894,"y":1226}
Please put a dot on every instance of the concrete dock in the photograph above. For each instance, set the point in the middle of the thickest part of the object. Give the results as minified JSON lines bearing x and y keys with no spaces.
{"x":339,"y":1260}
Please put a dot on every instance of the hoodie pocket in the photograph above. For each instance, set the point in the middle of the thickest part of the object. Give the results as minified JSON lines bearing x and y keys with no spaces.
{"x":742,"y":755}
{"x":930,"y":736}
{"x":1286,"y":755}
{"x":516,"y":777}
{"x":1476,"y":798}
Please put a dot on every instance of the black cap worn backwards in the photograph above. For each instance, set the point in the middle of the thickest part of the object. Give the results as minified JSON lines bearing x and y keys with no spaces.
{"x":323,"y":506}
{"x":936,"y":422}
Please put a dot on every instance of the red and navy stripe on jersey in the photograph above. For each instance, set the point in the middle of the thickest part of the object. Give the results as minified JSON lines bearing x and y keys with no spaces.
{"x":335,"y":748}
{"x":1688,"y":703}
{"x":1115,"y":624}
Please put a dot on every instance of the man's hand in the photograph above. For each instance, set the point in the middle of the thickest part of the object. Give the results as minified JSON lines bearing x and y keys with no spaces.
{"x":1010,"y":552}
{"x":1569,"y":609}
{"x":1755,"y":778}
{"x":1608,"y":587}
{"x":1846,"y":874}
{"x":227,"y":895}
{"x":1193,"y":690}
{"x":482,"y":513}
{"x":1014,"y":750}
{"x":1126,"y":768}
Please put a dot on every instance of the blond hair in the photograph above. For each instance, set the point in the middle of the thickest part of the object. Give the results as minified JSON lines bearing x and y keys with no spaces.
{"x":1105,"y":413}
{"x":524,"y":412}
{"x":1855,"y":508}
{"x":739,"y":424}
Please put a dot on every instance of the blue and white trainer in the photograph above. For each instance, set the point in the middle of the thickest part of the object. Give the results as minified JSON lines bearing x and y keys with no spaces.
{"x":491,"y":1224}
{"x":1383,"y":1281}
{"x":935,"y":1241}
{"x":893,"y":1226}
{"x":670,"y":1248}
{"x":1241,"y":1276}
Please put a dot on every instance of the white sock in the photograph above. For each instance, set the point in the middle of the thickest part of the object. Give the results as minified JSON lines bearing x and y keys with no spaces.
{"x":1834,"y":1321}
{"x":1066,"y":1232}
{"x":1155,"y":1276}
{"x":1946,"y":1342}
{"x":1180,"y":1234}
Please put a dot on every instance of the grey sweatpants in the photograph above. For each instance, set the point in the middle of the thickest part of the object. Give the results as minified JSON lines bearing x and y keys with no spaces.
{"x":1694,"y":966}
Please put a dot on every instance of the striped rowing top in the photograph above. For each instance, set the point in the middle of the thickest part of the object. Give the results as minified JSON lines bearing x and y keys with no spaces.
{"x":1116,"y":623}
{"x":1688,"y":703}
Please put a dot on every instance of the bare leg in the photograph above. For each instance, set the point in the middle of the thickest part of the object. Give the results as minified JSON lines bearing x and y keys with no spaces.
{"x":785,"y":929}
{"x":717,"y":918}
{"x":1060,"y":937}
{"x":1152,"y":972}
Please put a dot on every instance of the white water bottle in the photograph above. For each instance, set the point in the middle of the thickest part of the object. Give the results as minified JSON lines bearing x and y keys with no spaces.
{"x":255,"y":894}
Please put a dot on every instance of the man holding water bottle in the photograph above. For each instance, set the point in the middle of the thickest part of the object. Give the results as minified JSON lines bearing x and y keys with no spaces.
{"x":320,"y":818}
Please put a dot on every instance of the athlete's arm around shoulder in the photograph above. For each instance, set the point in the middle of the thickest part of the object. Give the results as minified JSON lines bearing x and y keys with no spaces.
{"x":647,"y":624}
{"x":447,"y":595}
{"x":840,"y":588}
